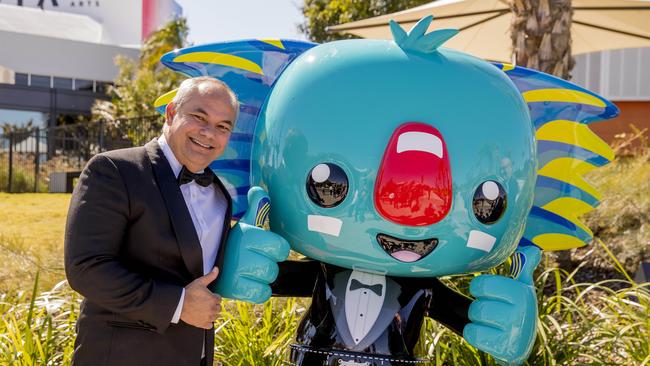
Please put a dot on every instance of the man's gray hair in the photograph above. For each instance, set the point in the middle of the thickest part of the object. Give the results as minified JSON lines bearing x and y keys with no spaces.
{"x":191,"y":84}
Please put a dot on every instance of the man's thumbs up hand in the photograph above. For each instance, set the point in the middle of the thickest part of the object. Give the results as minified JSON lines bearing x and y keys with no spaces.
{"x":200,"y":306}
{"x":208,"y":278}
{"x":504,"y":315}
{"x":251,"y":254}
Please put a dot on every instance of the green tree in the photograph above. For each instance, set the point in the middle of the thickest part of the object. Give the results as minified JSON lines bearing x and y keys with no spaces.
{"x":319,"y":14}
{"x":541,"y":35}
{"x":20,"y":132}
{"x":130,"y":112}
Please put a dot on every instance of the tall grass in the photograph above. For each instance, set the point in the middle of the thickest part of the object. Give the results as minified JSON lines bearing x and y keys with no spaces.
{"x":256,"y":335}
{"x":579,"y":324}
{"x":591,"y":323}
{"x":623,"y":218}
{"x":38,"y":329}
{"x":22,"y":180}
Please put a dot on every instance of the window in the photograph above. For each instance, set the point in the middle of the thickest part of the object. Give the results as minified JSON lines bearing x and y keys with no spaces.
{"x":82,"y":84}
{"x":63,"y":83}
{"x":21,"y":79}
{"x":22,"y":118}
{"x":102,"y":87}
{"x":40,"y":81}
{"x":615,"y":74}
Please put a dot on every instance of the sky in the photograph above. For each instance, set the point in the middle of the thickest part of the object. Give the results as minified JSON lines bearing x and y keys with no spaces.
{"x":222,"y":20}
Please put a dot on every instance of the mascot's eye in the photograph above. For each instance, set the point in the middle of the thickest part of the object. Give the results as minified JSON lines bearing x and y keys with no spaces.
{"x":327,"y":185}
{"x":489,"y":202}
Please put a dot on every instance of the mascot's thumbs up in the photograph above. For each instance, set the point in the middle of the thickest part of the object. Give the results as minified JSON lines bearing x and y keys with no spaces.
{"x":251,"y":254}
{"x":504,"y":314}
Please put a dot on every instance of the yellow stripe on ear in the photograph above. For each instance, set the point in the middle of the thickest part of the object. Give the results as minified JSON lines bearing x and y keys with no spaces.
{"x":165,"y":98}
{"x":570,"y":208}
{"x":223,"y":59}
{"x":570,"y":170}
{"x":274,"y":42}
{"x":562,"y":95}
{"x":507,"y":67}
{"x":262,"y":214}
{"x":555,"y":241}
{"x":574,"y":133}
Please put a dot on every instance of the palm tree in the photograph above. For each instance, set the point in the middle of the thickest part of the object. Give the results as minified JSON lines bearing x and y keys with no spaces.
{"x":541,"y":35}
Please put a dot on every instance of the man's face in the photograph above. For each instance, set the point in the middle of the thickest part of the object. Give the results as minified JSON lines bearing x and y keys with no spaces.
{"x":200,"y":127}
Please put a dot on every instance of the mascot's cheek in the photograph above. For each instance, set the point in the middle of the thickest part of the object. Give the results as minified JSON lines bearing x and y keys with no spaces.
{"x":324,"y":224}
{"x":480,"y":240}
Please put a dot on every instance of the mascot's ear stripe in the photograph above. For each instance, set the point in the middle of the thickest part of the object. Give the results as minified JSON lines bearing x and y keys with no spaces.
{"x":161,"y":103}
{"x":566,"y":151}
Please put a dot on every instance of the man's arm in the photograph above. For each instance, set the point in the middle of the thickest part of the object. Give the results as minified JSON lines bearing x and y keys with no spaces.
{"x":97,"y":221}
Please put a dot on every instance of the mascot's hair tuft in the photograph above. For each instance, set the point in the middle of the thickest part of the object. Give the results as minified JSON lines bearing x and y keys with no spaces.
{"x":417,"y":39}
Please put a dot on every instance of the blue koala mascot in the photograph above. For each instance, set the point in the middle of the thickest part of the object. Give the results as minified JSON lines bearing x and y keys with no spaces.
{"x":390,"y":164}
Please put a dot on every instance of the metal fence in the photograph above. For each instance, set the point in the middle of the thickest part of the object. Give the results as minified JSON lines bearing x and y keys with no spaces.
{"x":50,"y":159}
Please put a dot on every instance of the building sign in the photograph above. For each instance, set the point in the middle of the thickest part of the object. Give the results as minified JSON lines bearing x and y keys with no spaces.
{"x":123,"y":22}
{"x":55,"y":3}
{"x":82,"y":3}
{"x":40,"y":4}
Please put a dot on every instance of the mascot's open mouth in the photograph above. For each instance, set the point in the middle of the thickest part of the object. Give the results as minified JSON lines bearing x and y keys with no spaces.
{"x":406,"y":250}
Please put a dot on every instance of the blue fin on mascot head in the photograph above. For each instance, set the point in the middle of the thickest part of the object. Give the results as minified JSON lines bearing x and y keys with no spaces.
{"x":391,"y":163}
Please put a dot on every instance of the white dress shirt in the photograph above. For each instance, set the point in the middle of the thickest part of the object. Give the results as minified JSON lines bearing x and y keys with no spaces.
{"x":207,"y":207}
{"x":362,"y":306}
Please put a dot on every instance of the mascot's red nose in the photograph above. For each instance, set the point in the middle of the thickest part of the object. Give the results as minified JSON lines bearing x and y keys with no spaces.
{"x":413,"y":184}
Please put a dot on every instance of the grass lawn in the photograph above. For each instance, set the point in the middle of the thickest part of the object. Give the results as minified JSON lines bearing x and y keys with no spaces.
{"x":31,"y":239}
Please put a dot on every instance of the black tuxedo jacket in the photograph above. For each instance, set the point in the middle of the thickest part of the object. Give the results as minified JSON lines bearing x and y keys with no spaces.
{"x":323,"y":337}
{"x":130,"y":248}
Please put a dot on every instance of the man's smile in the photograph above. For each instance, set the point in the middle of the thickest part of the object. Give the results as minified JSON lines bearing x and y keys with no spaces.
{"x":205,"y":146}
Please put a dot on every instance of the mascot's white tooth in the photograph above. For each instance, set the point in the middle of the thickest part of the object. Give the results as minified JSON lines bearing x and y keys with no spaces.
{"x":324,"y":224}
{"x":480,"y":240}
{"x":419,"y":141}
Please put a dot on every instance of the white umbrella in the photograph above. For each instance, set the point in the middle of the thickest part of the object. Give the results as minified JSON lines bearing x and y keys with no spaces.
{"x":485,"y":25}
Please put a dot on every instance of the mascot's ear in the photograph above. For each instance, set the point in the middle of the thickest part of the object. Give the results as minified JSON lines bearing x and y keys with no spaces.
{"x":250,"y":68}
{"x":566,"y":150}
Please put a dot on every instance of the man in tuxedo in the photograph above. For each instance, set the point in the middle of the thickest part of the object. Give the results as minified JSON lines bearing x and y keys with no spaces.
{"x":145,"y":234}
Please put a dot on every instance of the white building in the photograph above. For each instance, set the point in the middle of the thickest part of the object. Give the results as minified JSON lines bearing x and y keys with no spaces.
{"x":56,"y":56}
{"x":622,"y":76}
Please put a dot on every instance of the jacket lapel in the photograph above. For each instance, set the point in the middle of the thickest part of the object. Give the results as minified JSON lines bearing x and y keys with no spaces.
{"x":179,"y":215}
{"x":226,"y":222}
{"x":337,"y":302}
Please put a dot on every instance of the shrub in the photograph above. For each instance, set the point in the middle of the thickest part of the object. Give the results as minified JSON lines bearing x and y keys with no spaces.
{"x":22,"y":175}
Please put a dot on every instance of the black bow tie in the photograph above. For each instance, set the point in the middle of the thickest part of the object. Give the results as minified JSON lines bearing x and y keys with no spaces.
{"x":203,"y":179}
{"x":355,"y":285}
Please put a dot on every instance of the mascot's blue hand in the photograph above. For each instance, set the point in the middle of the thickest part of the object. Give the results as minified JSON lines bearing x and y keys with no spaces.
{"x":504,"y":314}
{"x":251,"y":254}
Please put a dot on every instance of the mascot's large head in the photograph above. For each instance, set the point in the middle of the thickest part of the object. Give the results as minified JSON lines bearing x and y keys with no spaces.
{"x":402,"y":157}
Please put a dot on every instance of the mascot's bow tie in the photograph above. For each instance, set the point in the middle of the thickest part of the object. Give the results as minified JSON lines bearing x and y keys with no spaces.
{"x":203,"y":179}
{"x":354,"y":285}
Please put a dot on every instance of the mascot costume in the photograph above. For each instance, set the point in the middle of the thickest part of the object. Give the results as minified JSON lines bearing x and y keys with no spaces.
{"x":389,"y":164}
